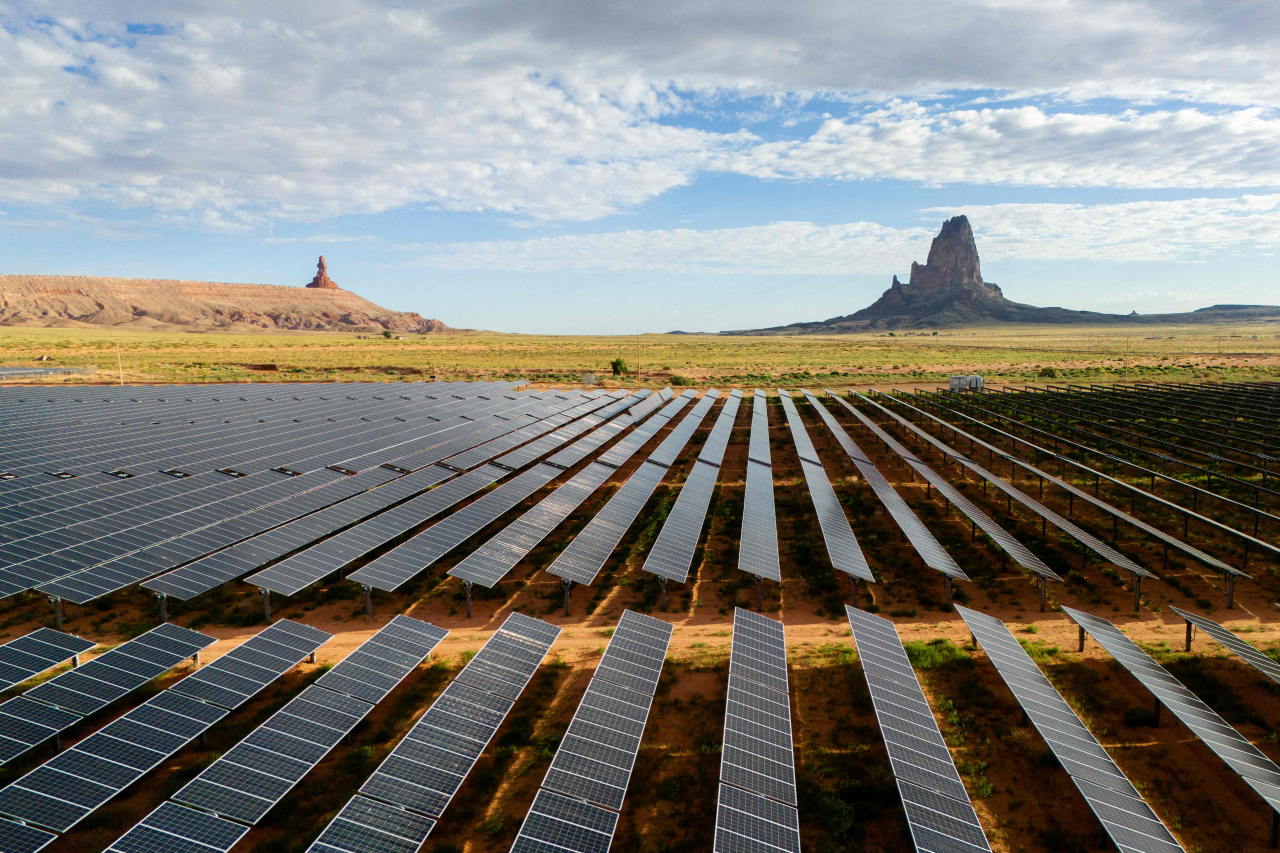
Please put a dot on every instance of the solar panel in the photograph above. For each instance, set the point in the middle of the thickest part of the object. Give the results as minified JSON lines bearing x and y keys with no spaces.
{"x":749,"y":822}
{"x":256,"y":774}
{"x":1258,"y":771}
{"x":929,"y":549}
{"x":758,"y":542}
{"x":67,"y":788}
{"x":20,"y":838}
{"x":938,"y":808}
{"x":208,"y":572}
{"x":42,"y":649}
{"x":594,"y":759}
{"x":415,"y":783}
{"x":1124,"y":815}
{"x":1095,"y":544}
{"x":557,"y":823}
{"x":396,"y":567}
{"x":1005,"y":540}
{"x":1239,"y":647}
{"x":171,"y":827}
{"x":489,"y":563}
{"x":368,"y":826}
{"x":211,"y":516}
{"x":756,"y":809}
{"x":672,"y":552}
{"x":301,"y":570}
{"x":842,"y":546}
{"x":1171,"y":541}
{"x":63,"y":701}
{"x":586,"y":555}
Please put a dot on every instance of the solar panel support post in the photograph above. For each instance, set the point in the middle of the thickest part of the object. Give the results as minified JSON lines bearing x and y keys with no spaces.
{"x":1275,"y":829}
{"x":1137,"y":593}
{"x":1043,"y":591}
{"x":1231,"y":592}
{"x":57,"y":611}
{"x":164,"y":607}
{"x":947,"y":578}
{"x":662,"y":595}
{"x":368,"y":600}
{"x":568,"y":585}
{"x":1190,"y":633}
{"x":760,"y":592}
{"x":266,"y":603}
{"x":1080,"y":648}
{"x":466,"y":589}
{"x":1155,"y":711}
{"x":204,"y":740}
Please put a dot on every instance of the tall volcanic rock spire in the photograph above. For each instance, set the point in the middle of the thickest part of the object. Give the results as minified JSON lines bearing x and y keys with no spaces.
{"x":948,"y":285}
{"x":953,"y":259}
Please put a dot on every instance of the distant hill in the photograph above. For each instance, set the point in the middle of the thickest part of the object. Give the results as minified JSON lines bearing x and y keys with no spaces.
{"x":948,"y":291}
{"x":71,"y":301}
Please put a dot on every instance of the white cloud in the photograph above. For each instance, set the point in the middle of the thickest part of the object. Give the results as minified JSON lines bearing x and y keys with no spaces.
{"x":233,"y":115}
{"x":1188,"y":230}
{"x":1027,"y":146}
{"x":321,"y":238}
{"x":782,"y":248}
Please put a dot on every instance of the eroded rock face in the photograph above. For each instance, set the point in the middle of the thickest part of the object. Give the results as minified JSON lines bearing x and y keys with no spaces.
{"x":953,"y":259}
{"x":322,"y":279}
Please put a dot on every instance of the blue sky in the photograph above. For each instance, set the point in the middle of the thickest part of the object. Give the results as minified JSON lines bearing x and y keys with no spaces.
{"x":593,"y":168}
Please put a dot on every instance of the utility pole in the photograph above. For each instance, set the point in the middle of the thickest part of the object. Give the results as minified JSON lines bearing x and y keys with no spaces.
{"x":639,"y":377}
{"x":119,"y":364}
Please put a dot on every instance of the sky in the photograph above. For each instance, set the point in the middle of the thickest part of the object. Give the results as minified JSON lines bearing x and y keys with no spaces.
{"x":617,"y":168}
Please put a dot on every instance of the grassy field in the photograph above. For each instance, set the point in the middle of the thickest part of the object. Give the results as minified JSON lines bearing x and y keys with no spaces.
{"x":1010,"y":353}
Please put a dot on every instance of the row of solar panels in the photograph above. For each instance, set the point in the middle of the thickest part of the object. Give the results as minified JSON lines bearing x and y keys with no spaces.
{"x":127,"y":551}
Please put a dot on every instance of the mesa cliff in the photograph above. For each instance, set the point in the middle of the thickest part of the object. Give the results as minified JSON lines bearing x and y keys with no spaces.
{"x":71,"y":301}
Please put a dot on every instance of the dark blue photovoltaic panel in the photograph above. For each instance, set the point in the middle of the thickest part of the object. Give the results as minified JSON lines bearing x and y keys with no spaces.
{"x":397,"y":806}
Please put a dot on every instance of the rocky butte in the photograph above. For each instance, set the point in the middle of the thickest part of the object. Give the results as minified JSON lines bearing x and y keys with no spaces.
{"x":85,"y":301}
{"x":948,"y":291}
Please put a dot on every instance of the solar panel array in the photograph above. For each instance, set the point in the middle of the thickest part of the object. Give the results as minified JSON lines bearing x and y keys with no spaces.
{"x":758,"y":542}
{"x":165,"y":524}
{"x":672,"y":552}
{"x":1095,"y":544}
{"x":309,"y":566}
{"x":756,"y":808}
{"x":42,"y":649}
{"x":63,"y":701}
{"x":489,"y":563}
{"x":1003,"y":539}
{"x":112,"y":517}
{"x":398,"y":805}
{"x":1121,"y":515}
{"x":939,"y":812}
{"x":209,"y":572}
{"x":67,"y":788}
{"x":398,"y":566}
{"x":586,"y":555}
{"x":1258,"y":771}
{"x":929,"y":549}
{"x":842,"y":546}
{"x":1125,"y":816}
{"x":587,"y":781}
{"x":257,"y":772}
{"x":1239,"y":647}
{"x":1136,"y":491}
